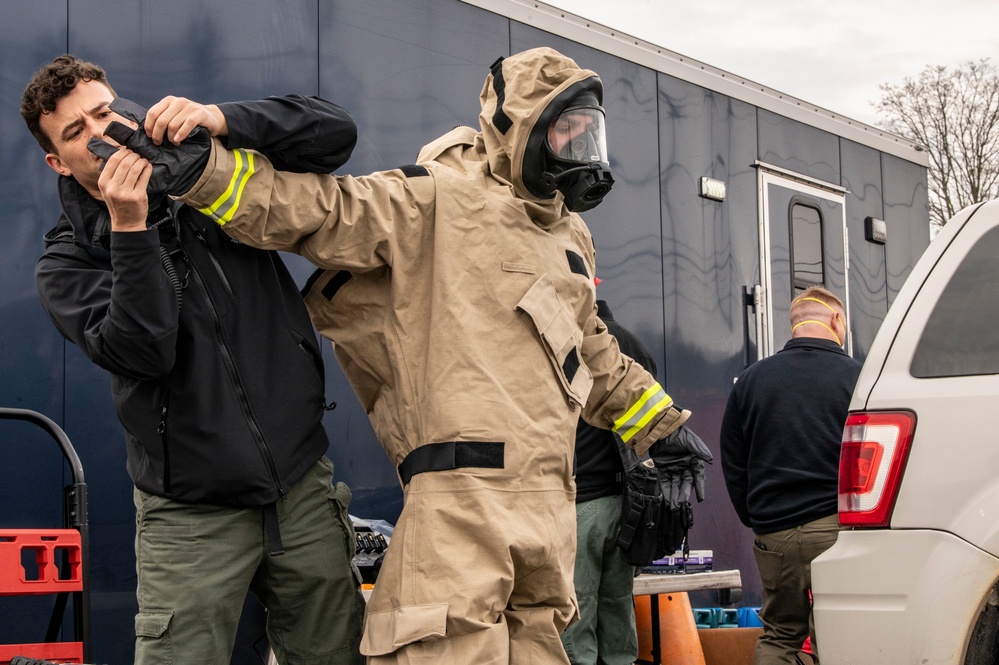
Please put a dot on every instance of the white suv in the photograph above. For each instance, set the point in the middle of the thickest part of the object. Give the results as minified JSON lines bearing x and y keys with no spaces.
{"x":914,"y":578}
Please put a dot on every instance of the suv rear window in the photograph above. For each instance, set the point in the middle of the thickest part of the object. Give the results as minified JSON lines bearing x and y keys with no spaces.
{"x":962,"y":336}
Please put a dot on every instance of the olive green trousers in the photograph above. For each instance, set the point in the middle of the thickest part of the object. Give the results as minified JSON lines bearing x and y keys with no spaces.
{"x":785,"y":562}
{"x":195,"y":564}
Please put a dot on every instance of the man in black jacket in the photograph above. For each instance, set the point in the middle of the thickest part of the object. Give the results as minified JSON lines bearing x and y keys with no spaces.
{"x":604,"y":582}
{"x":217,"y":375}
{"x":780,"y":444}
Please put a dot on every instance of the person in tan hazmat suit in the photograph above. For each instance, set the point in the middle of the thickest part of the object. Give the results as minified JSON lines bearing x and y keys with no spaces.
{"x":459,"y":295}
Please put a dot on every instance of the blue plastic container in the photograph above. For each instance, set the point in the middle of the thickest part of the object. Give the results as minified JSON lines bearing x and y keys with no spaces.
{"x":749,"y":617}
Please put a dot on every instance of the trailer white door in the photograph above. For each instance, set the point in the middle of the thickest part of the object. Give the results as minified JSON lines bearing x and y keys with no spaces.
{"x":803,"y":242}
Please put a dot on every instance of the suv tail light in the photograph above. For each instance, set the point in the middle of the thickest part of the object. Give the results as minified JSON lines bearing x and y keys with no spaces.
{"x":872,"y":460}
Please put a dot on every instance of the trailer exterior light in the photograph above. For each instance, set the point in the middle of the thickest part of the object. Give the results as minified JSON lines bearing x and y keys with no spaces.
{"x":712,"y":189}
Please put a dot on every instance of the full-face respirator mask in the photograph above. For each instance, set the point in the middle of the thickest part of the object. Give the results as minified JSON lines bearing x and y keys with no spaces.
{"x":568,"y":151}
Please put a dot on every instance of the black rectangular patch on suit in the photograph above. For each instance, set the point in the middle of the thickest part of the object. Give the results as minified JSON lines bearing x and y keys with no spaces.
{"x":311,"y":281}
{"x":576,"y":263}
{"x":338,"y":280}
{"x":414,"y":170}
{"x":501,"y":120}
{"x":571,"y":364}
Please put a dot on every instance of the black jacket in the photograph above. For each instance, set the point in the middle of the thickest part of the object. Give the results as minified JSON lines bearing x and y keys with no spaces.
{"x":221,"y":393}
{"x":782,"y":431}
{"x":599,"y":469}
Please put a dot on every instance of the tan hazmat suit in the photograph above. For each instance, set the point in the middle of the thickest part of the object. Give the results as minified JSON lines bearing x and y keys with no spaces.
{"x":462,"y":310}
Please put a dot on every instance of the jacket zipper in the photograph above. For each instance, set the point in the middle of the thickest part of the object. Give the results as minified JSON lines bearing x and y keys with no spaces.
{"x":165,"y":438}
{"x":234,"y":377}
{"x":218,"y":267}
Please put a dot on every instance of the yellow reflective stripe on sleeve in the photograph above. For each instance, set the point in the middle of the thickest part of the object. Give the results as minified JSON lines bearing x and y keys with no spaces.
{"x":653,"y":401}
{"x":226,"y":204}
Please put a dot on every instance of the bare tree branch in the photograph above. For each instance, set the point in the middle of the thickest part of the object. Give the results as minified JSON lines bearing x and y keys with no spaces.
{"x":955,"y":115}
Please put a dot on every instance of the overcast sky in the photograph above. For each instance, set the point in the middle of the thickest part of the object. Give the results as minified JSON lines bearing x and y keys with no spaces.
{"x":832,"y":54}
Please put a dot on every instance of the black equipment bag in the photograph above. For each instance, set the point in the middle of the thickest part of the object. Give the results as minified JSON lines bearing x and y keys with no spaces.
{"x":644,"y":514}
{"x":650,"y":528}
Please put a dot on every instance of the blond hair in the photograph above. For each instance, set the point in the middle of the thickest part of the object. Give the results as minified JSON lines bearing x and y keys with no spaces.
{"x":814,"y":301}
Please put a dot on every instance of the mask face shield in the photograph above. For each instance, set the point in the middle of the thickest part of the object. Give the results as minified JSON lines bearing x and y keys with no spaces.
{"x":577,"y":135}
{"x":576,"y":147}
{"x":567,"y":149}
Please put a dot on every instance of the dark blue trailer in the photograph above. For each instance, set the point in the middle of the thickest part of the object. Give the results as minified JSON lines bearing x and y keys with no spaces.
{"x":729,"y":196}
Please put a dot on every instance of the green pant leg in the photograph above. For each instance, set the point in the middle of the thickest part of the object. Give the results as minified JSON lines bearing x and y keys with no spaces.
{"x":194,"y":564}
{"x":312,"y":591}
{"x":784,"y":560}
{"x":604,"y":583}
{"x":817,"y":537}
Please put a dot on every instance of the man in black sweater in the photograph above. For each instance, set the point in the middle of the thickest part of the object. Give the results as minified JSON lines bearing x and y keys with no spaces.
{"x":780,"y":444}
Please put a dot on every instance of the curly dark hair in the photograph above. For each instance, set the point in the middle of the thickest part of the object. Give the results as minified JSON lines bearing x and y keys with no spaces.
{"x":51,"y":83}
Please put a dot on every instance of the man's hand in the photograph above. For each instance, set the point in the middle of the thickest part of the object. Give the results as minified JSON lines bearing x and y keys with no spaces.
{"x":123,"y":183}
{"x":175,"y":167}
{"x":174,"y":118}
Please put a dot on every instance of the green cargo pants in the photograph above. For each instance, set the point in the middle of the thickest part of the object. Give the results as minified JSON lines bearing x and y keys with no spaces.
{"x":195,"y":564}
{"x":605,"y":632}
{"x":785,"y":562}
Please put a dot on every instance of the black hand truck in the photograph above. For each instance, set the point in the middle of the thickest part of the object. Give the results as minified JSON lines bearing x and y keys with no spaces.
{"x":61,"y":558}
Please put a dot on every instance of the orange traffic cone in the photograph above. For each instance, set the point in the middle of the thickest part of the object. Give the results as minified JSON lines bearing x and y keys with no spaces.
{"x":678,"y":642}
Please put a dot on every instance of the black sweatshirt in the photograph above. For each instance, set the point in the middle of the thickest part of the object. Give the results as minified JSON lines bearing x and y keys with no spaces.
{"x":782,"y":431}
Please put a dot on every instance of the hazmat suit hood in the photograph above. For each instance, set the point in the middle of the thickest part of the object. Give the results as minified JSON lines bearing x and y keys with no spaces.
{"x":522,"y":95}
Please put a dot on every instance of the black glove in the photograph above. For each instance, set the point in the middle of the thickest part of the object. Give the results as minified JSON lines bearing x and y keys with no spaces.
{"x":697,"y":469}
{"x":680,"y":458}
{"x":679,"y":474}
{"x":175,"y":167}
{"x":676,"y":479}
{"x":682,"y":441}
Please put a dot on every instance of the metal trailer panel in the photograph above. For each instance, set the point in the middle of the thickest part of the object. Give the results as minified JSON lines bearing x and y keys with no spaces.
{"x":797,"y":147}
{"x":905,"y":200}
{"x":407,"y":72}
{"x":31,"y":349}
{"x":710,"y":253}
{"x":861,"y":166}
